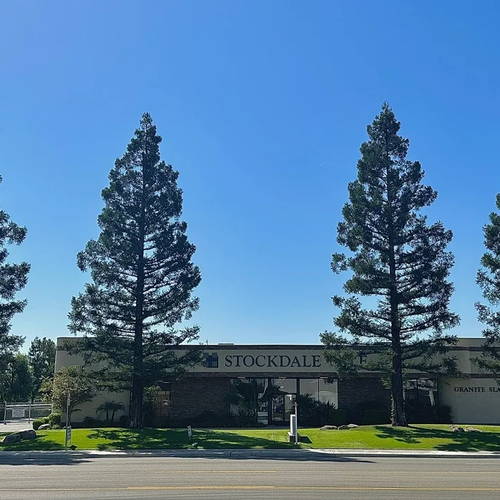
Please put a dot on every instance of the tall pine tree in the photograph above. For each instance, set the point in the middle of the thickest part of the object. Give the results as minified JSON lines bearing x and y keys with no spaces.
{"x":13,"y":277}
{"x":399,"y":265}
{"x":488,"y":278}
{"x":142,"y":276}
{"x":42,"y":357}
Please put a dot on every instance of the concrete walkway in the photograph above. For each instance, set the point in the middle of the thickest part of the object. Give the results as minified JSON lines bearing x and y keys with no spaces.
{"x":297,"y":455}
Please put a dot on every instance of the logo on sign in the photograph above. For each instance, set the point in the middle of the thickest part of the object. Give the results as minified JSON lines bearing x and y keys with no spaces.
{"x":211,"y":360}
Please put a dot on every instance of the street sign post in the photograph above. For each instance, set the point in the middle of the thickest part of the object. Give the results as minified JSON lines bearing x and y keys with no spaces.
{"x":67,"y":438}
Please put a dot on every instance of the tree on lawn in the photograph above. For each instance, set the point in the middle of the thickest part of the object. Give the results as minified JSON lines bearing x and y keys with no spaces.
{"x":13,"y":277}
{"x":42,"y":356}
{"x":488,"y":278}
{"x":76,"y":382}
{"x":399,"y":265}
{"x":142,"y":276}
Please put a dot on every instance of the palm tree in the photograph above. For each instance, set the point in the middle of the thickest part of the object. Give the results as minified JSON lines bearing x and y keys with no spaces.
{"x":110,"y":406}
{"x":246,"y":397}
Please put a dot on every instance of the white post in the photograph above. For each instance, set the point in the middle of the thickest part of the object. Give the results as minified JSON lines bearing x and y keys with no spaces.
{"x":68,"y":400}
{"x":293,"y":427}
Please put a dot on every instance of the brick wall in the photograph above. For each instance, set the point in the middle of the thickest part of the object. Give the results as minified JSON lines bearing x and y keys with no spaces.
{"x":359,"y":394}
{"x":193,"y":396}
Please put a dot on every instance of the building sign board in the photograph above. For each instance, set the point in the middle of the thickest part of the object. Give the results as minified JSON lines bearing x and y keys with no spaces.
{"x":472,"y":400}
{"x":277,"y":360}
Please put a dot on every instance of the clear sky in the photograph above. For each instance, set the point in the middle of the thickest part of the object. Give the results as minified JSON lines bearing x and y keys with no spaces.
{"x":262,"y":106}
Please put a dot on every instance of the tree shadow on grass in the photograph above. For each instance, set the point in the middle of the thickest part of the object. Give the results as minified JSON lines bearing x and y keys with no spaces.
{"x":455,"y":441}
{"x":157,"y":439}
{"x":36,"y":444}
{"x":228,"y":445}
{"x":38,"y":452}
{"x":402,"y":434}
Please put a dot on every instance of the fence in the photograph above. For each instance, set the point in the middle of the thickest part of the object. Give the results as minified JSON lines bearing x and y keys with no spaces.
{"x":23,"y":411}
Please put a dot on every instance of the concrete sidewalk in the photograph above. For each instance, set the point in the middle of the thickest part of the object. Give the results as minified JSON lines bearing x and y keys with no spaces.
{"x":249,"y":454}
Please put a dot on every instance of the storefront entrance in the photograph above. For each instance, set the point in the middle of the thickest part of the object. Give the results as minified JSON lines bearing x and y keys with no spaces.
{"x":271,"y":401}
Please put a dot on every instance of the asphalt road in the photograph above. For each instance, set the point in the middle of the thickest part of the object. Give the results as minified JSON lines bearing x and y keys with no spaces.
{"x":52,"y":477}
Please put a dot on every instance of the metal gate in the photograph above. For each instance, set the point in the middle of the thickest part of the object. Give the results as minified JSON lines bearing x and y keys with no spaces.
{"x":22,"y":411}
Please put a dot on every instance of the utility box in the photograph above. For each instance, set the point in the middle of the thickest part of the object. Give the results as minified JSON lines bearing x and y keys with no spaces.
{"x":293,"y":435}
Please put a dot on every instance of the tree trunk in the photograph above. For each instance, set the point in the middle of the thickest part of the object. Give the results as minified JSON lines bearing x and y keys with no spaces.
{"x":136,"y":413}
{"x":398,"y":416}
{"x":136,"y":405}
{"x":136,"y":417}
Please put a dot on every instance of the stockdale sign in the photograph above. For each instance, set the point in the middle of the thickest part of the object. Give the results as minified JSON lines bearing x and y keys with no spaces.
{"x":263,"y":361}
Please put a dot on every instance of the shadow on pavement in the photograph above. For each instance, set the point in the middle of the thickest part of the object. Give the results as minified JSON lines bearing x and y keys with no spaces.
{"x":42,"y":458}
{"x":301,"y":456}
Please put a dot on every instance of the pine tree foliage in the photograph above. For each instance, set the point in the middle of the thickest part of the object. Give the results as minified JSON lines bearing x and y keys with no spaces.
{"x":488,"y":279}
{"x":395,"y":304}
{"x":142,"y":275}
{"x":20,"y":384}
{"x":13,"y":278}
{"x":42,"y":357}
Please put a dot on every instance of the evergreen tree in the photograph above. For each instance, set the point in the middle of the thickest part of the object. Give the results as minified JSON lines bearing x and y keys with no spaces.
{"x":13,"y":277}
{"x":21,"y":379}
{"x":142,"y":276}
{"x":399,"y":264}
{"x":488,"y":278}
{"x":42,"y":356}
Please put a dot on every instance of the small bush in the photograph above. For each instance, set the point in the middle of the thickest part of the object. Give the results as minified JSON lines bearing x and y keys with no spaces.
{"x":444,"y":414}
{"x":422,"y":412}
{"x":337,"y":417}
{"x":40,"y":421}
{"x":374,"y":417}
{"x":123,"y":421}
{"x":54,"y":419}
{"x":209,"y":418}
{"x":89,"y":422}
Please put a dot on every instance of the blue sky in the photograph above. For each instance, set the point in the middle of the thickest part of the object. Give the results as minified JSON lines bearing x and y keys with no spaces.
{"x":262,"y":107}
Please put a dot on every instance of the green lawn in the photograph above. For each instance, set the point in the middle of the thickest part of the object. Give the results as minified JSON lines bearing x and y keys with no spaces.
{"x":417,"y":437}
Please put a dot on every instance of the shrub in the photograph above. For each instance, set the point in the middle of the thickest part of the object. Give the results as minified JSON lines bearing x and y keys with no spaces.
{"x":374,"y":417}
{"x":123,"y":421}
{"x":314,"y":413}
{"x":40,"y":421}
{"x":209,"y":418}
{"x":89,"y":422}
{"x":337,"y":417}
{"x":422,"y":412}
{"x":444,"y":414}
{"x":54,"y":419}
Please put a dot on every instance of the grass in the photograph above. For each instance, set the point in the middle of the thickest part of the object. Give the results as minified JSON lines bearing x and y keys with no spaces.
{"x":416,"y":437}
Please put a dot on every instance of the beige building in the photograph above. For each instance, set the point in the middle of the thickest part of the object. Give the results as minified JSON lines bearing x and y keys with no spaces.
{"x":300,"y":370}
